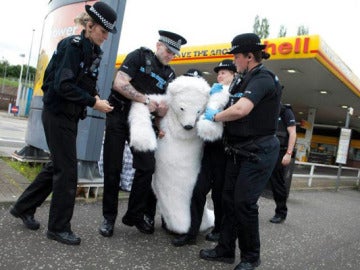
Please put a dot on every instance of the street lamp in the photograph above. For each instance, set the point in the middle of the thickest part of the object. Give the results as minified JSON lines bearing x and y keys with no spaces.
{"x":19,"y":87}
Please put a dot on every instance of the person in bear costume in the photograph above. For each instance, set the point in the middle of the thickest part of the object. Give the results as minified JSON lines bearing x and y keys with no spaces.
{"x":178,"y":154}
{"x":211,"y":175}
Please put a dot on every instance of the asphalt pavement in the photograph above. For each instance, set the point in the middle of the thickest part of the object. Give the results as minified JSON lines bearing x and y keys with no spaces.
{"x":321,"y":232}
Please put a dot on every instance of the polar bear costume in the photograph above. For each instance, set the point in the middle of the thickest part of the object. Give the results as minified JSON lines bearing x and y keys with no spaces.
{"x":178,"y":154}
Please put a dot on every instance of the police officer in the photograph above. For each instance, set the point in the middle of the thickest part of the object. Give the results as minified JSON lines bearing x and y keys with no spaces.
{"x":250,"y":125}
{"x":286,"y":134}
{"x":69,"y":86}
{"x":211,"y":175}
{"x":143,"y":72}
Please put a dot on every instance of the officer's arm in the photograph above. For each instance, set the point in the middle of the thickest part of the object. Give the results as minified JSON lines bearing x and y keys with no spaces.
{"x":239,"y":110}
{"x":291,"y":144}
{"x":123,"y":86}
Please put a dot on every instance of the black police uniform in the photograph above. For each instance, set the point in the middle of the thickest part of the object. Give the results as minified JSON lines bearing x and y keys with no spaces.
{"x":252,"y":152}
{"x":277,"y":179}
{"x":69,"y":86}
{"x":211,"y":177}
{"x":149,"y":76}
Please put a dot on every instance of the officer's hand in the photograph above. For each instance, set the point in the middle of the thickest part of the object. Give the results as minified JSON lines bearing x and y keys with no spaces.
{"x":152,"y":106}
{"x":216,"y":88}
{"x":103,"y":105}
{"x":286,"y":159}
{"x":162,"y":109}
{"x":210,"y":114}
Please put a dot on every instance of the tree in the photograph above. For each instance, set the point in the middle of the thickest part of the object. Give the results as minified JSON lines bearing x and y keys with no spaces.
{"x":261,"y":28}
{"x":282,"y":31}
{"x":3,"y":67}
{"x":14,"y":71}
{"x":302,"y":30}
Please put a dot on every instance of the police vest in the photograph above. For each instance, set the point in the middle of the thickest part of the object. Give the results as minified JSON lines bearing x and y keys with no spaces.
{"x":262,"y":120}
{"x":153,"y":77}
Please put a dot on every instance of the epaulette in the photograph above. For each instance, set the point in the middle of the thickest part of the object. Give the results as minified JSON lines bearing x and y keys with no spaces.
{"x":148,"y":55}
{"x":76,"y":41}
{"x":145,"y":49}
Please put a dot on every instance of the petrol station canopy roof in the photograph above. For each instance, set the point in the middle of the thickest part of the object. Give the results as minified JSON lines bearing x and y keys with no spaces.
{"x":312,"y":74}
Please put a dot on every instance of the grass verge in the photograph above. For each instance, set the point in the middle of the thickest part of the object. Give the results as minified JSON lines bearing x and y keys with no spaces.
{"x":28,"y":169}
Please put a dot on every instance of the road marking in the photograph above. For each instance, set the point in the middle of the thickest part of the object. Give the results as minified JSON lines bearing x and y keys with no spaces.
{"x":12,"y":140}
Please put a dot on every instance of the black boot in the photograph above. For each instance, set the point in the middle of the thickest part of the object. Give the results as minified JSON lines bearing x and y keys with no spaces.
{"x":277,"y":219}
{"x":247,"y":265}
{"x":29,"y":221}
{"x":68,"y":238}
{"x":184,"y":239}
{"x":213,"y":255}
{"x":107,"y":228}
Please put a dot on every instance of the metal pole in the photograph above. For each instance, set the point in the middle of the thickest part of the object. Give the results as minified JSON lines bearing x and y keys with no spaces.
{"x":3,"y":83}
{"x":27,"y":68}
{"x":347,"y":122}
{"x":19,"y":87}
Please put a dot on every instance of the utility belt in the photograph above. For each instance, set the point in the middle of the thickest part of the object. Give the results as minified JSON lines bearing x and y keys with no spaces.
{"x":119,"y":103}
{"x":245,"y":150}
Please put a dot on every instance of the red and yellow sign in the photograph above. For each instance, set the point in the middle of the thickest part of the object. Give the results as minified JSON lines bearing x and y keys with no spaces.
{"x":280,"y":48}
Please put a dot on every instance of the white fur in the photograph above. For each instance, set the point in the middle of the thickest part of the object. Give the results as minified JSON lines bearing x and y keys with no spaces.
{"x":178,"y":154}
{"x":142,"y":135}
{"x":208,"y":130}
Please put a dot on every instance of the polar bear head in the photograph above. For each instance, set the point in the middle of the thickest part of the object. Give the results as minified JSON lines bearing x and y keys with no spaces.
{"x":187,"y":98}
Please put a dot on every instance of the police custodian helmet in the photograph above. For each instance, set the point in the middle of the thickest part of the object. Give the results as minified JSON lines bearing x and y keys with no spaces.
{"x":225,"y":64}
{"x":245,"y":43}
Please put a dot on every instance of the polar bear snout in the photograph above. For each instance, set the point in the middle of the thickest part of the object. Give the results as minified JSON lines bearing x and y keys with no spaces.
{"x":188,"y":127}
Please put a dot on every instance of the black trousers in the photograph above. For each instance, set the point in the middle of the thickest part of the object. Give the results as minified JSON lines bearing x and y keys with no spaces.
{"x":142,"y":199}
{"x":278,"y":187}
{"x":244,"y":182}
{"x":116,"y":133}
{"x":58,"y":176}
{"x":211,"y":177}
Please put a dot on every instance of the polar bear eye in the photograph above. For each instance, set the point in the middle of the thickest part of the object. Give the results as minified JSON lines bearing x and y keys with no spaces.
{"x":182,"y":109}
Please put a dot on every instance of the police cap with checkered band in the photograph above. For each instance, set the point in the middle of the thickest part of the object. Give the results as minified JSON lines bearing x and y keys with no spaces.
{"x":103,"y":14}
{"x":172,"y":41}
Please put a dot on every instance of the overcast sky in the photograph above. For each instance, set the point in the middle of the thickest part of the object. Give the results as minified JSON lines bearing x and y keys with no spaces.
{"x":201,"y":22}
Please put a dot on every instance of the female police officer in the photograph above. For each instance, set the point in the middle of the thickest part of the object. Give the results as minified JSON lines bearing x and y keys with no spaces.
{"x":69,"y":86}
{"x":250,"y":124}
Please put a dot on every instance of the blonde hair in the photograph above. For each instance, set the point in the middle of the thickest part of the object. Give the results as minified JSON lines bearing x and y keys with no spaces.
{"x":82,"y":19}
